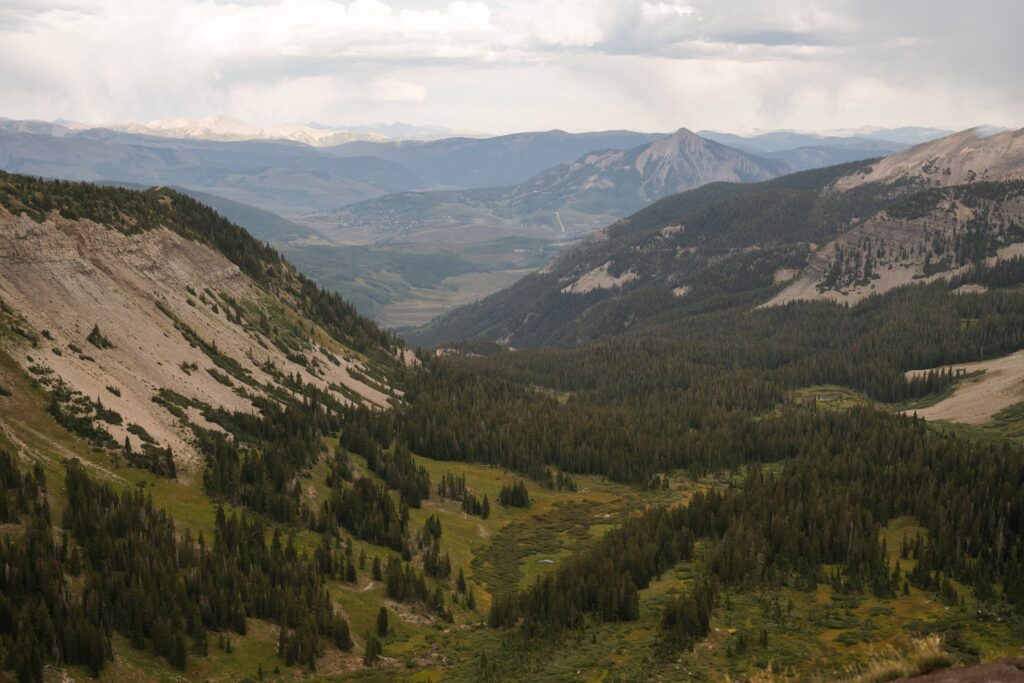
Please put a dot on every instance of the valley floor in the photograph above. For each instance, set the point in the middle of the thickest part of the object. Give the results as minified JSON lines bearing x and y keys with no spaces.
{"x":424,"y":304}
{"x":786,"y":631}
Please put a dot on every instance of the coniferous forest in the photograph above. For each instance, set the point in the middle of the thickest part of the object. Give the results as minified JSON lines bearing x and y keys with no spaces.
{"x":509,"y":512}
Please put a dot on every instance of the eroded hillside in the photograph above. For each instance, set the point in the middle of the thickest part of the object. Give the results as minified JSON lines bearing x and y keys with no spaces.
{"x":114,"y":321}
{"x":963,"y":157}
{"x":936,"y":234}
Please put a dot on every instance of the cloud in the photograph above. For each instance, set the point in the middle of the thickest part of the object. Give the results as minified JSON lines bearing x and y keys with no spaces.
{"x":508,"y":64}
{"x":395,"y":90}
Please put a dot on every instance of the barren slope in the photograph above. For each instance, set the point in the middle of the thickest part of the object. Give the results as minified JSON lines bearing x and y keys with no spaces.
{"x":66,"y":276}
{"x":963,"y":157}
{"x":934,"y":234}
{"x":977,"y":400}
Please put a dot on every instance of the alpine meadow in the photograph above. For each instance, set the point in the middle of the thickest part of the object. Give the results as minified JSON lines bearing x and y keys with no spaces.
{"x":511,"y":340}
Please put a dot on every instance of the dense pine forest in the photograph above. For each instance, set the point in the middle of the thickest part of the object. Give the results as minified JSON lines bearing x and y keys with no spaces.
{"x":846,"y":475}
{"x":691,"y":395}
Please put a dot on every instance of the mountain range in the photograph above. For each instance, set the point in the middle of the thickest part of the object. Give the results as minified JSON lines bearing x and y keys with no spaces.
{"x":279,"y":176}
{"x":569,"y":199}
{"x":284,"y":176}
{"x":840,"y":233}
{"x":462,"y":162}
{"x":224,"y":128}
{"x":326,"y":202}
{"x":304,"y":170}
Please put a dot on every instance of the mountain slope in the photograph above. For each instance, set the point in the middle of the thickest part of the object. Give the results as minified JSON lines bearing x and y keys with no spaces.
{"x":974,"y":210}
{"x":792,"y":238}
{"x":610,"y":182}
{"x":666,"y":258}
{"x":932,"y":235}
{"x":264,"y":225}
{"x":573,"y":198}
{"x":963,"y":157}
{"x":283,"y":177}
{"x":491,"y":162}
{"x":121,"y":296}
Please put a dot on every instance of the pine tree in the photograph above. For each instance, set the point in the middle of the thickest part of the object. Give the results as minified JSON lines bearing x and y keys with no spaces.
{"x":372,"y":650}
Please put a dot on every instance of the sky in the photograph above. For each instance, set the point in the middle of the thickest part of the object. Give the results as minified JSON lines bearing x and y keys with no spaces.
{"x":505,"y":65}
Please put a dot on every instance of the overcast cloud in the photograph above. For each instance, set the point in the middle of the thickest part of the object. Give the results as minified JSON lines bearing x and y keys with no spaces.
{"x":499,"y":66}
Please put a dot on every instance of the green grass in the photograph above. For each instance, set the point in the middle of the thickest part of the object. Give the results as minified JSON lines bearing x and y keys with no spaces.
{"x":408,"y":284}
{"x":828,"y":396}
{"x":257,"y":649}
{"x":837,"y":397}
{"x":1006,"y":426}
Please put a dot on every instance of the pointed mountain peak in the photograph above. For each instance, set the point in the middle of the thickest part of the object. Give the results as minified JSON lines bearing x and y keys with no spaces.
{"x":683,"y":139}
{"x":685,"y":134}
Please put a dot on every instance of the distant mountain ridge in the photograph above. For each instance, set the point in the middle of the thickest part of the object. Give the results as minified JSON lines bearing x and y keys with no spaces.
{"x":285,"y":176}
{"x":675,"y":163}
{"x":462,"y":162}
{"x":225,"y":128}
{"x":963,"y":157}
{"x":280,"y":176}
{"x":570,"y":199}
{"x":840,"y":233}
{"x":764,"y":141}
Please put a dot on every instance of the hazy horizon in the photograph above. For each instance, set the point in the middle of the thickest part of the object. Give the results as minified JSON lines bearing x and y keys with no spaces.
{"x":499,"y":66}
{"x":429,"y":130}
